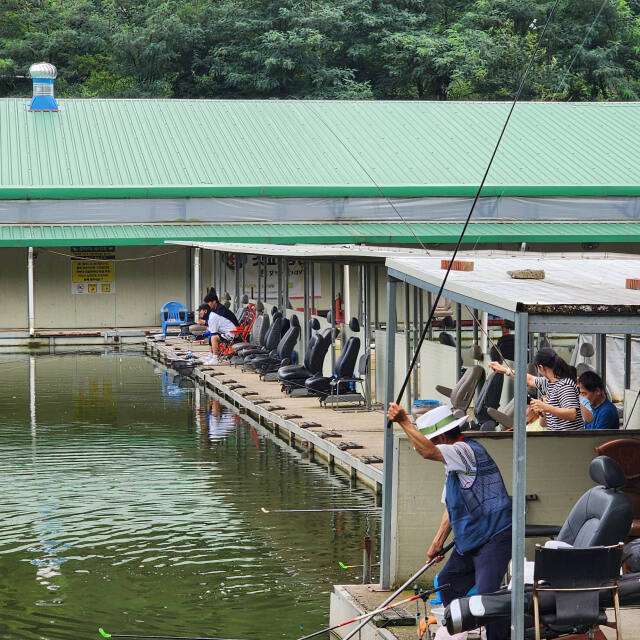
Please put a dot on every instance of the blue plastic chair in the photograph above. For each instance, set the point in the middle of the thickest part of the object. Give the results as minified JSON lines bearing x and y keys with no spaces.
{"x":172,"y":313}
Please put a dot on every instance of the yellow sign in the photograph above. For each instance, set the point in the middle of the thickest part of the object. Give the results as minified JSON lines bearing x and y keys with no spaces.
{"x":93,"y":270}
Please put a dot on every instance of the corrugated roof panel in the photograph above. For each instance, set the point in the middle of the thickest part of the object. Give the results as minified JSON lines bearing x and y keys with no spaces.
{"x":380,"y":233}
{"x":180,"y":148}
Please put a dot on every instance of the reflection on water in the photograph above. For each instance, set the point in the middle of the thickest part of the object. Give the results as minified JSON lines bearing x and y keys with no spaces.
{"x":132,"y":502}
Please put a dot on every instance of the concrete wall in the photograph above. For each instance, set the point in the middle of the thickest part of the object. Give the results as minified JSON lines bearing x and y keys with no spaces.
{"x":557,"y":472}
{"x":142,"y":285}
{"x":13,"y":289}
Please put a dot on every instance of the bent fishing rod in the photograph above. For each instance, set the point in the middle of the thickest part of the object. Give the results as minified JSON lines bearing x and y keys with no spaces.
{"x":425,"y":329}
{"x":398,"y":591}
{"x":423,"y":595}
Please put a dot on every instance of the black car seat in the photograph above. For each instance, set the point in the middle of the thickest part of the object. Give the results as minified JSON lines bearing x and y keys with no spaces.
{"x":271,"y":341}
{"x":319,"y":385}
{"x":603,"y":515}
{"x":293,"y":376}
{"x":272,"y":361}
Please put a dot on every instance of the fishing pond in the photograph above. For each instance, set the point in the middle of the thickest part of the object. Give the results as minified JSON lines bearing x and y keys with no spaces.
{"x":133,"y":501}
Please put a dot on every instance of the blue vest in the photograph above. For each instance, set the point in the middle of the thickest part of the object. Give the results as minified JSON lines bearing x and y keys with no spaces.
{"x":483,"y":509}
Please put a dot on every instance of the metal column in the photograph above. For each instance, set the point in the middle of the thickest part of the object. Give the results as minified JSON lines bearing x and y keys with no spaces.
{"x":429,"y":308}
{"x":387,"y":472}
{"x":189,"y":278}
{"x":305,"y":321}
{"x":602,"y":357}
{"x":458,"y":341}
{"x":196,"y":278}
{"x":31,"y":311}
{"x":416,"y":338}
{"x":236,"y":280}
{"x":407,"y":346}
{"x":266,"y":267}
{"x":333,"y":317}
{"x":627,"y":361}
{"x":519,"y":476}
{"x":367,"y":333}
{"x":376,"y":281}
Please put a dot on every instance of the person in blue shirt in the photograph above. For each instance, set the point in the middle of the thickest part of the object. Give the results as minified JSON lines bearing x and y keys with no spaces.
{"x":605,"y":414}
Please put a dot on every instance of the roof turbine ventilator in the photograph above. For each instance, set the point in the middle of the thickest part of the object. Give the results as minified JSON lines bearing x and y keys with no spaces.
{"x":43,"y":75}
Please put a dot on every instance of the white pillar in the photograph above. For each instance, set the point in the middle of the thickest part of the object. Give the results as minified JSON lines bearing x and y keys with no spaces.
{"x":31,"y":307}
{"x":346,"y":294}
{"x":196,"y":278}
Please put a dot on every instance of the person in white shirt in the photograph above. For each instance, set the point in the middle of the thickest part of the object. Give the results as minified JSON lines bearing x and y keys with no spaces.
{"x":220,"y":328}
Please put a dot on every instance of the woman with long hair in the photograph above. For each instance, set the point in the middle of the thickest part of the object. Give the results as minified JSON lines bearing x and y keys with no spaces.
{"x":556,"y":383}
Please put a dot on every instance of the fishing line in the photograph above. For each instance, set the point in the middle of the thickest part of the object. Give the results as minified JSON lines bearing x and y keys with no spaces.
{"x":473,"y":206}
{"x":581,"y":46}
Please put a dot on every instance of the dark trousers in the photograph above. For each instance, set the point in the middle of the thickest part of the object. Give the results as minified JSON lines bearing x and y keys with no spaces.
{"x":483,"y":567}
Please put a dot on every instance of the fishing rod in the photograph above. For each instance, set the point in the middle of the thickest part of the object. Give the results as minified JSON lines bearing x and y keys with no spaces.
{"x":398,"y":591}
{"x":104,"y":634}
{"x":421,"y":594}
{"x":336,"y":510}
{"x":451,"y":260}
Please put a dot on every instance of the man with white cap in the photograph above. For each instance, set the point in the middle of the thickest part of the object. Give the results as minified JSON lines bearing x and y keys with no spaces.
{"x":478,"y":508}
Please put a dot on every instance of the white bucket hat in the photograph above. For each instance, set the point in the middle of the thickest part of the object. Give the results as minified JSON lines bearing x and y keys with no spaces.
{"x":438,"y":421}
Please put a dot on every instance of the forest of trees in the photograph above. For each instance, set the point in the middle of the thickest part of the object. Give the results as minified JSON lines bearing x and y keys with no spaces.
{"x":323,"y":49}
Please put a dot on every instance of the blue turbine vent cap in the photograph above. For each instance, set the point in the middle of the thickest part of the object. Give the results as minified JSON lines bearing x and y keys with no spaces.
{"x":43,"y":75}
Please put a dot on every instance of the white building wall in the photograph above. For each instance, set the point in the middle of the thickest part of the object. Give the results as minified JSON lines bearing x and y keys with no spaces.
{"x":143,"y":283}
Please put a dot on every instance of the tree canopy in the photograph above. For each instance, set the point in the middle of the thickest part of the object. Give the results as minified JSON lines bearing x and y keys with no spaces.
{"x":323,"y":49}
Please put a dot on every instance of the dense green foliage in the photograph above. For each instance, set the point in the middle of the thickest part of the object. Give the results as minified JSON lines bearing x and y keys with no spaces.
{"x":383,"y":49}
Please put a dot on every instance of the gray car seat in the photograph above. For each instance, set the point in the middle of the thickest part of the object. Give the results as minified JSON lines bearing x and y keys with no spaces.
{"x":462,"y":393}
{"x":273,"y":361}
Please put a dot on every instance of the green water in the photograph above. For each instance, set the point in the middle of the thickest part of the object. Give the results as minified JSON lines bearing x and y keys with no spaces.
{"x":132,"y":503}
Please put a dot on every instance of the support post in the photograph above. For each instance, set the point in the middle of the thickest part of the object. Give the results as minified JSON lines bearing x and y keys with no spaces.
{"x":387,"y":471}
{"x":196,"y":279}
{"x":407,"y":346}
{"x":602,"y":357}
{"x":189,"y":282}
{"x":416,"y":338}
{"x":627,"y":361}
{"x":236,"y":281}
{"x":519,"y":476}
{"x":333,"y":317}
{"x":458,"y":341}
{"x":376,"y":318}
{"x":367,"y":333}
{"x":305,"y":321}
{"x":31,"y":311}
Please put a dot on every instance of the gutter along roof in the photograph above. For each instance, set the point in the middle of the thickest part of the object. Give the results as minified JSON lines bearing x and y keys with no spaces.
{"x":237,"y":148}
{"x":377,"y":233}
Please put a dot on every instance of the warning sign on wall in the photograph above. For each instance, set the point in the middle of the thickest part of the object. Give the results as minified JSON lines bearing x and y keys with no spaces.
{"x":93,"y":270}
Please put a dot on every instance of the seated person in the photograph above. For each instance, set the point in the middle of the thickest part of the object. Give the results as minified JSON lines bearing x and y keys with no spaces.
{"x":215,"y":305}
{"x":200,"y":326}
{"x":605,"y":414}
{"x":220,"y":328}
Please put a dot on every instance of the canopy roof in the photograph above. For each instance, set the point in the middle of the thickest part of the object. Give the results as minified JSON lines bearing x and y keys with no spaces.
{"x":571,"y":286}
{"x":238,"y":148}
{"x":374,"y":233}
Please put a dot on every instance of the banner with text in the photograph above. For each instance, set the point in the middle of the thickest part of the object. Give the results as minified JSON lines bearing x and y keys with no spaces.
{"x":93,"y":270}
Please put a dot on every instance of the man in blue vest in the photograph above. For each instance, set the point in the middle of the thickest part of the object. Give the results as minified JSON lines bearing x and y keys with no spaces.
{"x":478,"y":508}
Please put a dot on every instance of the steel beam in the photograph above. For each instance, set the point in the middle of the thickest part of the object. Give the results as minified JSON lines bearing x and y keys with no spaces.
{"x":387,"y":470}
{"x":519,"y":477}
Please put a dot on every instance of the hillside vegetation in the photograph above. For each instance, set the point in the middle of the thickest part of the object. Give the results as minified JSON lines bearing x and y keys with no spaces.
{"x":326,"y":49}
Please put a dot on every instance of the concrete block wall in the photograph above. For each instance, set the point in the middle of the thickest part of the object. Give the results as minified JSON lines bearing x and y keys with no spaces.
{"x":557,"y":473}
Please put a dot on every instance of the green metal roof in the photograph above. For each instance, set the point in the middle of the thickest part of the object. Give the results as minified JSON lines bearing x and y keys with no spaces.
{"x":379,"y":233}
{"x":215,"y":148}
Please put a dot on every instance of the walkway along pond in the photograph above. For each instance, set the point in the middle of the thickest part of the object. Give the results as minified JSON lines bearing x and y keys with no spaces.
{"x":134,"y":504}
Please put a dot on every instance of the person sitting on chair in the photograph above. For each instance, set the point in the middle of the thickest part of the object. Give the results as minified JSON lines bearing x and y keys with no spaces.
{"x":478,"y":508}
{"x":217,"y":307}
{"x":220,"y":328}
{"x":603,"y":411}
{"x":200,"y":326}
